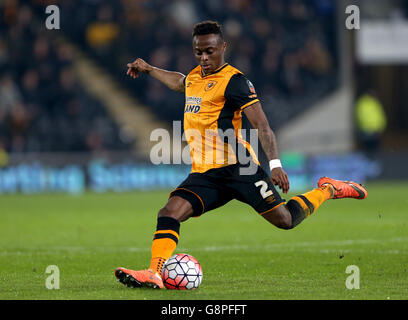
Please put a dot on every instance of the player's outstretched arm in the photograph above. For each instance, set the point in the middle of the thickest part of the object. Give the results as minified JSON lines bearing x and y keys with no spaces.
{"x":258,"y":120}
{"x":173,"y":80}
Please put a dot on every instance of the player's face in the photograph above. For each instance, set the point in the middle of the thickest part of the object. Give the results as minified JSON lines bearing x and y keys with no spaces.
{"x":209,"y":52}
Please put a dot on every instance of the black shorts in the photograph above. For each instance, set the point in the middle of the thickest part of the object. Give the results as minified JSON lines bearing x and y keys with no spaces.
{"x":215,"y":187}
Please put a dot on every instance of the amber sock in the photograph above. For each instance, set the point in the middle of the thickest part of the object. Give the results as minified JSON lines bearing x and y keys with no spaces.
{"x":164,"y":242}
{"x":302,"y":206}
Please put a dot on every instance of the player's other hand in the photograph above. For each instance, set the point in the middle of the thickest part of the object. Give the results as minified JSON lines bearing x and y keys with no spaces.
{"x":139,"y":65}
{"x":280,"y":178}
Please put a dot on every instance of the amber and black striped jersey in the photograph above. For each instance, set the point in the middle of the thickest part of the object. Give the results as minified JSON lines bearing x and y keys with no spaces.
{"x":214,"y":102}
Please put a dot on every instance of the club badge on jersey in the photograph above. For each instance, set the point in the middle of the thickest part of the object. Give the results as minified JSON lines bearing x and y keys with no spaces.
{"x":210,"y":85}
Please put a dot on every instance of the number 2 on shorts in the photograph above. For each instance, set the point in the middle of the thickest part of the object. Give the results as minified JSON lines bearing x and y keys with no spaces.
{"x":264,"y":189}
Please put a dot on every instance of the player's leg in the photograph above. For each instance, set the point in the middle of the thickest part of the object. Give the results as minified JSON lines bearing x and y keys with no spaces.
{"x":298,"y":208}
{"x":166,"y":237}
{"x":302,"y":206}
{"x":165,"y":241}
{"x":258,"y":191}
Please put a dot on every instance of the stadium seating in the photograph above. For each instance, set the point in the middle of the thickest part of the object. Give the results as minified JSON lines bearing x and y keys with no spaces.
{"x":282,"y":47}
{"x":43,"y":107}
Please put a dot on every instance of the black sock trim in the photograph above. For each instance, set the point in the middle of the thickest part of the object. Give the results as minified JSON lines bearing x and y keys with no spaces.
{"x":296,"y":211}
{"x":168,"y":223}
{"x":167,"y":236}
{"x":308,"y":203}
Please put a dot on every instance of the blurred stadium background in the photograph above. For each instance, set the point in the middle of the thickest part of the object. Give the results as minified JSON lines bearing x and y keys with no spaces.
{"x":70,"y":119}
{"x":78,"y":189}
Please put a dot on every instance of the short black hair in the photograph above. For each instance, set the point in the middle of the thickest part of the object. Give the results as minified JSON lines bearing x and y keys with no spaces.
{"x":207,"y":27}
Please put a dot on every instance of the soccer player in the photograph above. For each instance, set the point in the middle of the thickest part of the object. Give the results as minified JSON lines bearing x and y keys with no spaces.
{"x":216,"y":95}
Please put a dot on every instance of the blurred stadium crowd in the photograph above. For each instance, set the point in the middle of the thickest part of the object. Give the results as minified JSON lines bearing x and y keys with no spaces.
{"x":42,"y":104}
{"x":286,"y":48}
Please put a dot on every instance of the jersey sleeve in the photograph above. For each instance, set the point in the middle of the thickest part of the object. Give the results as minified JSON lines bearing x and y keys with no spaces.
{"x":240,"y":92}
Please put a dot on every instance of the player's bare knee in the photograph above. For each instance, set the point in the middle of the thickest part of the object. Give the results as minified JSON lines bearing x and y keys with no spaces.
{"x":280,"y":217}
{"x":286,"y":224}
{"x":176,"y":208}
{"x":282,"y":223}
{"x":171,"y":213}
{"x":166,"y":212}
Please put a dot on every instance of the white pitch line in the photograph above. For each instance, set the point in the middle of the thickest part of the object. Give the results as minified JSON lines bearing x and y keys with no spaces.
{"x":306,"y":245}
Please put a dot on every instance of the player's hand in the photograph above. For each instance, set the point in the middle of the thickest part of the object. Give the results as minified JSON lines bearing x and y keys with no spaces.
{"x":139,"y":65}
{"x":280,"y":178}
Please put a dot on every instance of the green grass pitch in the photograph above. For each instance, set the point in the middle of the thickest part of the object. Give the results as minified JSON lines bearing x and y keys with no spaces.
{"x":243,"y":257}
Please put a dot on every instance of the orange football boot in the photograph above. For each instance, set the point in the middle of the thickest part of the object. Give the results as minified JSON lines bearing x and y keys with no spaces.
{"x":344,"y":189}
{"x":137,"y":279}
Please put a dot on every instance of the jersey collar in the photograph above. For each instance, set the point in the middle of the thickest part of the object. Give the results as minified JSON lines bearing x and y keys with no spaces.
{"x":215,"y":71}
